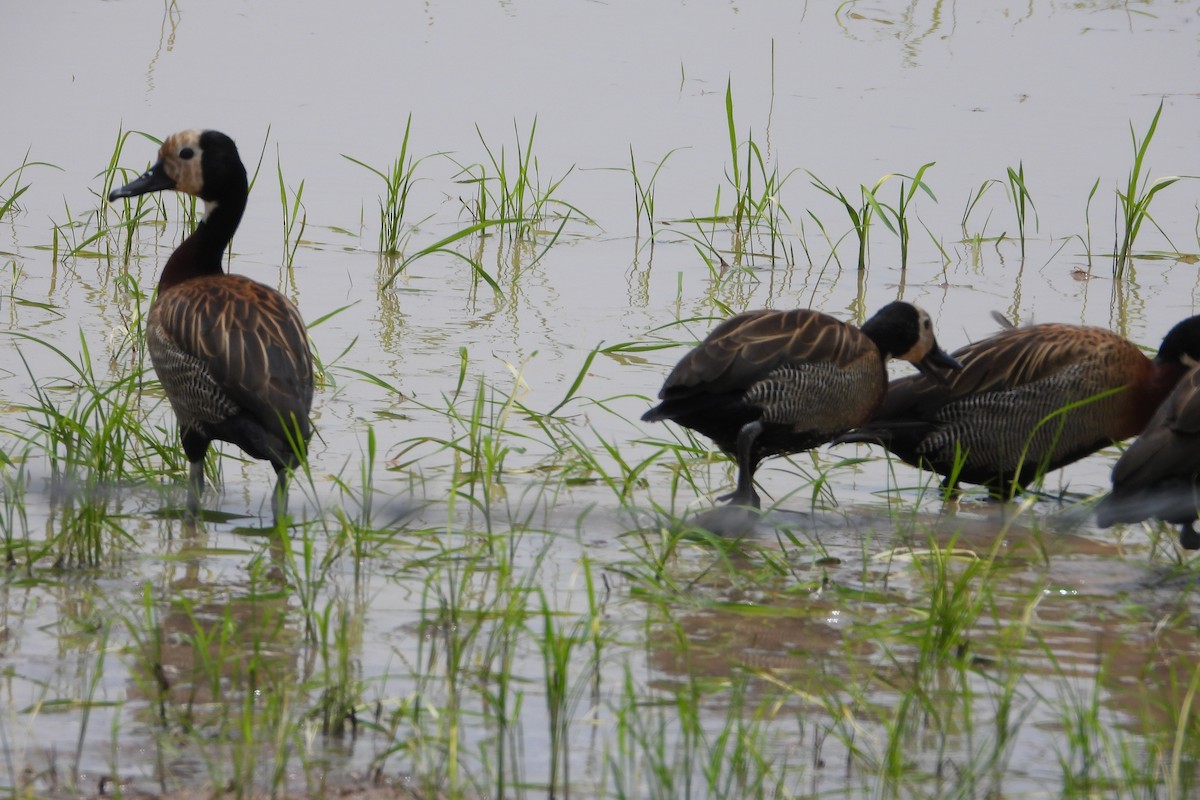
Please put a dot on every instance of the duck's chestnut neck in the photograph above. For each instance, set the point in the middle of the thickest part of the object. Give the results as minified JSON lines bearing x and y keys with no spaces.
{"x":1149,"y":393}
{"x":203,"y":252}
{"x":1163,"y":378}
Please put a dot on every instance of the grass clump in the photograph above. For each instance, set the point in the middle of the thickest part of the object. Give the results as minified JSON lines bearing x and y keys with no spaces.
{"x":1021,"y":200}
{"x":755,"y":209}
{"x":1134,"y":201}
{"x":869,"y":207}
{"x":96,"y":440}
{"x":643,"y":192}
{"x":513,"y":193}
{"x":11,"y":187}
{"x":295,"y":217}
{"x":398,"y":179}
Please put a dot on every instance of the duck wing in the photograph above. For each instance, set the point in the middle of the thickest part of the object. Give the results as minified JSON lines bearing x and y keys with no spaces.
{"x":251,"y":340}
{"x":745,"y":348}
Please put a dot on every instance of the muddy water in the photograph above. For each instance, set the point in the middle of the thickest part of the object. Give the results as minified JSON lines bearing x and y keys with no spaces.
{"x":846,"y":97}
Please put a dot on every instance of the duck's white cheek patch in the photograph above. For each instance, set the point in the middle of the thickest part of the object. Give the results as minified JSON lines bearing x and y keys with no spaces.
{"x":209,"y":207}
{"x":188,"y":176}
{"x":1188,"y":361}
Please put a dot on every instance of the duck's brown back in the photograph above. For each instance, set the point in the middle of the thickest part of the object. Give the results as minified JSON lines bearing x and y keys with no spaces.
{"x":224,"y":345}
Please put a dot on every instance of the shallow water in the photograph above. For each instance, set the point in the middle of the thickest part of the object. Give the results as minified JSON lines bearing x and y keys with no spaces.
{"x":1078,"y":617}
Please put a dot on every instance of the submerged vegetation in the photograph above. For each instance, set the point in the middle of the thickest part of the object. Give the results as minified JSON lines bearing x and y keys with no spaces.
{"x":492,"y":587}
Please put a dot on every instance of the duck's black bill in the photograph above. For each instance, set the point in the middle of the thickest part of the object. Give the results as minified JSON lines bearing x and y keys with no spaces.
{"x":154,"y":179}
{"x":935,"y":363}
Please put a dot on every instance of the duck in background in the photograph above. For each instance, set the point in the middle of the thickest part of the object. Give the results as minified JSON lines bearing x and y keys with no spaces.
{"x":1028,"y":400}
{"x":767,"y":383}
{"x":1157,"y":476}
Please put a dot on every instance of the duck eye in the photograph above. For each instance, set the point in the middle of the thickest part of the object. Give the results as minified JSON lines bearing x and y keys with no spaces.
{"x":186,"y":153}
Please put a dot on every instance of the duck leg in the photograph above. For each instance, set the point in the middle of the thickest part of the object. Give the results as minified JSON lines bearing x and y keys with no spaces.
{"x":744,"y":494}
{"x":195,"y":487}
{"x":1188,"y":538}
{"x":279,"y":498}
{"x":195,"y":447}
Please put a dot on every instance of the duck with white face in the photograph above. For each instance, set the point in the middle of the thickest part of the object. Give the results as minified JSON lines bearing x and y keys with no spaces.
{"x":232,"y":354}
{"x":768,"y":383}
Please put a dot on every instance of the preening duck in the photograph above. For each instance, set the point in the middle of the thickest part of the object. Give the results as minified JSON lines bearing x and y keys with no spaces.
{"x":1159,"y":474}
{"x":1028,"y":400}
{"x":768,"y":383}
{"x":232,"y":354}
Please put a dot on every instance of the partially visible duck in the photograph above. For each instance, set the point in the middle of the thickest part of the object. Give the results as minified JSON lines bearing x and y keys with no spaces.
{"x":232,"y":354}
{"x":768,"y":383}
{"x":1028,"y":400}
{"x":1159,"y":474}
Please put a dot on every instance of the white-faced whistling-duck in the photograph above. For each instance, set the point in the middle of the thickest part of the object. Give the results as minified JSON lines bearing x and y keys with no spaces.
{"x":1159,"y":475}
{"x":232,"y":354}
{"x":768,"y":383}
{"x":1028,"y":400}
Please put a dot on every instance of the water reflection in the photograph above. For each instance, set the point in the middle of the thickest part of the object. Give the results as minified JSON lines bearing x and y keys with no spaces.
{"x":220,"y":665}
{"x":1074,"y":635}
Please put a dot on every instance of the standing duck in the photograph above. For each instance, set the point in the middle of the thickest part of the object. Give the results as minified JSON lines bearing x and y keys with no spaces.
{"x":232,"y":354}
{"x":768,"y":383}
{"x":1028,"y":400}
{"x":1159,"y":475}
